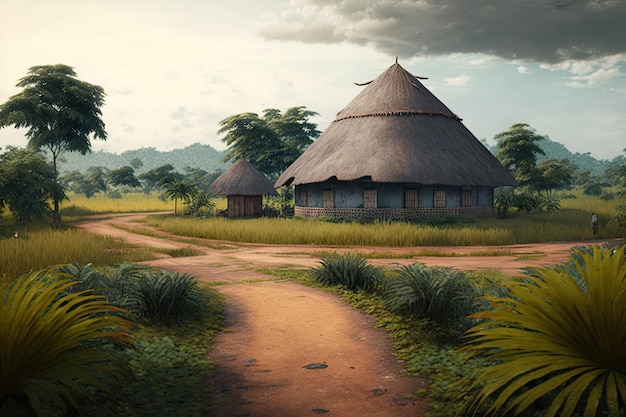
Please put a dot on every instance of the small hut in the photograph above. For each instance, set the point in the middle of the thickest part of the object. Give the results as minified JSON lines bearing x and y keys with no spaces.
{"x":395,"y":151}
{"x":244,"y":186}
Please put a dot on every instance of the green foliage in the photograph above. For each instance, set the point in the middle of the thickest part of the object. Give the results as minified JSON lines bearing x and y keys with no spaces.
{"x":26,"y":184}
{"x":518,"y":150}
{"x":158,"y":296}
{"x":180,"y":189}
{"x":443,"y":296}
{"x":351,"y":271}
{"x":201,"y":204}
{"x":170,"y":298}
{"x":558,"y":342}
{"x":46,"y":355}
{"x":61,"y":113}
{"x":272,"y":142}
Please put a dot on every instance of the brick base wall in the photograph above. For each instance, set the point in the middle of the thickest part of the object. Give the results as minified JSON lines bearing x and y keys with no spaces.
{"x":393,"y":213}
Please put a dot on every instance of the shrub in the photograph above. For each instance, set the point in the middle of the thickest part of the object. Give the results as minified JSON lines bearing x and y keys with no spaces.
{"x":46,"y":352}
{"x":557,"y":340}
{"x":441,"y":295}
{"x":351,"y":271}
{"x":167,"y":298}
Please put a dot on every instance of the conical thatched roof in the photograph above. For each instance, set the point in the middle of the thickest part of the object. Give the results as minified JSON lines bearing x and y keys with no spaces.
{"x":241,"y":178}
{"x":395,"y":131}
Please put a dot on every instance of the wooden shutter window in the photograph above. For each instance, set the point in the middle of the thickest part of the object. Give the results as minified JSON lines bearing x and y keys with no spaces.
{"x":411,"y":198}
{"x":329,"y":200}
{"x":303,"y":196}
{"x":440,"y":198}
{"x":370,"y":198}
{"x":466,"y":197}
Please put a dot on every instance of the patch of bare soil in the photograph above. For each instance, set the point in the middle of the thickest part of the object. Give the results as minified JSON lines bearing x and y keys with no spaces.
{"x":277,"y":331}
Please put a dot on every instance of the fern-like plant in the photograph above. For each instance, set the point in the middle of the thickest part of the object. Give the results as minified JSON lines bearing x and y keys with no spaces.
{"x":351,"y":271}
{"x":166,"y":297}
{"x":558,"y":343}
{"x":441,"y":295}
{"x":46,"y":358}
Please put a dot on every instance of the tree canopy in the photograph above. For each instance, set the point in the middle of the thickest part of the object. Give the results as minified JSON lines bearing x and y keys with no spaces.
{"x":270,"y":143}
{"x":26,"y":184}
{"x":518,"y":150}
{"x":61,"y":112}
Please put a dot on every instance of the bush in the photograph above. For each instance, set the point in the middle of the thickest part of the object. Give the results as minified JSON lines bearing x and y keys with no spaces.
{"x":47,"y":354}
{"x":441,"y":295}
{"x":351,"y":271}
{"x":558,"y":341}
{"x":169,"y":298}
{"x":157,"y":296}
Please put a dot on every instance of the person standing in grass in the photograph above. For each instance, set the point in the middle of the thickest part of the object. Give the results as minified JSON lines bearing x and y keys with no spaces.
{"x":594,"y":223}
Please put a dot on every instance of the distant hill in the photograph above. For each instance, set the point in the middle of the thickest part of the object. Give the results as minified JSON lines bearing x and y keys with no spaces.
{"x":195,"y":156}
{"x":582,"y":161}
{"x":209,"y":159}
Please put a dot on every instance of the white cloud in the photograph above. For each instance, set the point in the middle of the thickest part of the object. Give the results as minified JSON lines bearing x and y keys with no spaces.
{"x":458,"y":81}
{"x":523,"y":69}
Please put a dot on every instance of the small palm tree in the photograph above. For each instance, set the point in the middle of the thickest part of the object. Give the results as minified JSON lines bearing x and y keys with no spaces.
{"x":559,"y":339}
{"x":46,"y":352}
{"x":177,"y":188}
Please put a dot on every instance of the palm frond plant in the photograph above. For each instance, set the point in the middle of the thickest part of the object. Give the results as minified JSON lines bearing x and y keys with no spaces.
{"x":443,"y":296}
{"x":46,"y":359}
{"x":168,"y":297}
{"x":556,"y":346}
{"x":350,"y":270}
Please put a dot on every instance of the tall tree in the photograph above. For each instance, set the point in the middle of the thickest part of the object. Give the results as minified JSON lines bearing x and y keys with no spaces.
{"x":61,"y":113}
{"x":518,"y":151}
{"x":272,"y":142}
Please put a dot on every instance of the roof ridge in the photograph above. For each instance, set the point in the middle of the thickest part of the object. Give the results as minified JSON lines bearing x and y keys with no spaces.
{"x":400,"y":113}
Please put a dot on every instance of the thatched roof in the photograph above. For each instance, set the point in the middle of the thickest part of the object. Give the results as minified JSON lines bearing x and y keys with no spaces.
{"x":241,"y":178}
{"x":397,"y":131}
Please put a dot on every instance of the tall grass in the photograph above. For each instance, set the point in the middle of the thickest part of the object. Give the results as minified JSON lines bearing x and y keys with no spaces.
{"x":78,"y":204}
{"x":41,"y":248}
{"x":565,"y":225}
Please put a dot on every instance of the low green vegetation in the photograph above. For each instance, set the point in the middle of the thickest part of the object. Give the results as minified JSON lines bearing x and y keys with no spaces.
{"x":102,"y":342}
{"x":529,"y":350}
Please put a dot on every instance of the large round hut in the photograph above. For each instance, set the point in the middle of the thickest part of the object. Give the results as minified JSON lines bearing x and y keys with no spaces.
{"x":244,"y":187}
{"x":395,"y":151}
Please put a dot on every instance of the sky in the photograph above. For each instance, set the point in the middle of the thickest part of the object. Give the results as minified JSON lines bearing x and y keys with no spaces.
{"x":172,"y":70}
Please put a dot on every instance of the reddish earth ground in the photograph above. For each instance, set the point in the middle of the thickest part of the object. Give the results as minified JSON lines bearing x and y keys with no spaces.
{"x":274,"y":328}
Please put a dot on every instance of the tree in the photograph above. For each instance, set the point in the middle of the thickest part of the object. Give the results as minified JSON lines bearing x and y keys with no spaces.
{"x":272,"y":142}
{"x":27,"y":184}
{"x":124,"y":176}
{"x":518,"y":152}
{"x":554,"y":174}
{"x":158,"y":177}
{"x":184,"y":190}
{"x":61,"y":113}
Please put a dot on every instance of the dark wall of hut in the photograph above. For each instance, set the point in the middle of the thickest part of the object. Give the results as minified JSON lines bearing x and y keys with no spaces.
{"x":344,"y":194}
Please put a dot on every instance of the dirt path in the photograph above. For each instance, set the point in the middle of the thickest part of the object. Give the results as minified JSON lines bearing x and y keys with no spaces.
{"x":275,"y":329}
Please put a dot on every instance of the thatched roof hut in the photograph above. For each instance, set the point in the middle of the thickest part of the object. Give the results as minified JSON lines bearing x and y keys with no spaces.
{"x":395,"y":151}
{"x":396,"y":130}
{"x":244,"y":187}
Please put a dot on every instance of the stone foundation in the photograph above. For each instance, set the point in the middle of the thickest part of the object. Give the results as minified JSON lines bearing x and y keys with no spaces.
{"x":393,"y":213}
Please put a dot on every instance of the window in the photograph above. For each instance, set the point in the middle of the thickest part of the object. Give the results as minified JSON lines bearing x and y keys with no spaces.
{"x":370,"y":198}
{"x":410,"y":198}
{"x":466,"y":197}
{"x":329,"y":200}
{"x":303,"y":197}
{"x":440,"y":197}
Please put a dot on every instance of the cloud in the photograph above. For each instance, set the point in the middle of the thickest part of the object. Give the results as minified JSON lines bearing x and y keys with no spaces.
{"x":457,"y":81}
{"x":523,"y":69}
{"x":532,"y":30}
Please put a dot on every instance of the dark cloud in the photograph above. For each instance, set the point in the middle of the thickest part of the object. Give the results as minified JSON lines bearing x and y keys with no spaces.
{"x":549,"y":31}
